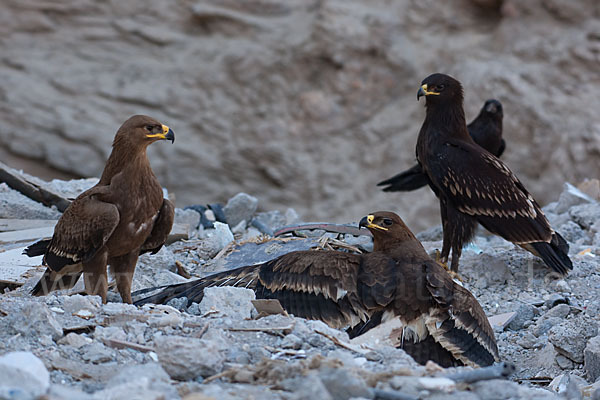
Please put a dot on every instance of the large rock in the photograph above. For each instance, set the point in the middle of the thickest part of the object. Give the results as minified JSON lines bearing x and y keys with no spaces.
{"x":22,"y":371}
{"x":282,"y":98}
{"x":35,"y":319}
{"x":186,"y":358}
{"x":570,"y":337}
{"x":228,"y":300}
{"x":591,"y":356}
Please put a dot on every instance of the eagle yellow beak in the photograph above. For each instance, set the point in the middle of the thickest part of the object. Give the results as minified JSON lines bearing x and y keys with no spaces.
{"x":424,"y":92}
{"x":167,"y":134}
{"x":367,"y":222}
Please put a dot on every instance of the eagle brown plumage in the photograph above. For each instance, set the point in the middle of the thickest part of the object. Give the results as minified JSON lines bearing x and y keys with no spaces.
{"x":122,"y":216}
{"x":441,"y":320}
{"x":474,"y":186}
{"x":486,"y":131}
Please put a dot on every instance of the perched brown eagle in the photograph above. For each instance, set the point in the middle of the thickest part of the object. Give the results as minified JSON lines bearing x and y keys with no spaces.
{"x":441,"y":320}
{"x":474,"y":186}
{"x":121,"y":217}
{"x":486,"y":131}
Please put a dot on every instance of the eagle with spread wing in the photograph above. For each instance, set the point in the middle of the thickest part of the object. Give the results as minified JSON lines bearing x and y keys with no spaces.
{"x":486,"y":131}
{"x":441,"y":320}
{"x":122,"y":216}
{"x":474,"y":186}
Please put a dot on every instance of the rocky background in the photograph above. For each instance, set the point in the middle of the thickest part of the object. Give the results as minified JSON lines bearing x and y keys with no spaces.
{"x":306,"y":103}
{"x":72,"y":347}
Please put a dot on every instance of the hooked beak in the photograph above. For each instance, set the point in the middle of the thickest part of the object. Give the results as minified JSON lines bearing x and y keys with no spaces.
{"x":424,"y":92}
{"x":367,"y":222}
{"x":167,"y":134}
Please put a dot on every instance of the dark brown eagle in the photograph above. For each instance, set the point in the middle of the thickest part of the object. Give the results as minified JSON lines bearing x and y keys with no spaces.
{"x":486,"y":131}
{"x":474,"y":186}
{"x":441,"y":320}
{"x":122,"y":216}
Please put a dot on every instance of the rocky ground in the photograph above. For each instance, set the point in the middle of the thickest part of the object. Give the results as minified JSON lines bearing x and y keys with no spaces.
{"x":73,"y":347}
{"x":307,"y":102}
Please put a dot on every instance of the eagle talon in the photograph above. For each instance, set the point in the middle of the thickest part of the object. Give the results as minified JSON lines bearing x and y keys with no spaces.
{"x":444,"y":263}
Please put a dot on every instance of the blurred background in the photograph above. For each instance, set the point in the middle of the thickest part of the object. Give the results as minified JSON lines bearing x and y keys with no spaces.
{"x":301,"y":103}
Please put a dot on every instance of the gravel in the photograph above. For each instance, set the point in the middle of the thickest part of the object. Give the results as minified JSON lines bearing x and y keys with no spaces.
{"x":221,"y":349}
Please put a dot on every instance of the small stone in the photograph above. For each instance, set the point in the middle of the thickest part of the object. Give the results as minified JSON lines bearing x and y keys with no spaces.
{"x":343,"y":385}
{"x":178,"y":303}
{"x":75,"y":303}
{"x":524,"y":316}
{"x":592,"y":358}
{"x":97,"y":353}
{"x":309,"y":387}
{"x":496,"y":389}
{"x":217,"y":238}
{"x":554,"y":299}
{"x":228,"y":300}
{"x":75,"y":340}
{"x":186,"y":358}
{"x":291,"y":341}
{"x":240,"y":207}
{"x":560,"y":311}
{"x":564,"y":363}
{"x":23,"y":371}
{"x":36,"y":319}
{"x":130,"y":373}
{"x":571,"y":196}
{"x":543,"y":325}
{"x":189,"y":217}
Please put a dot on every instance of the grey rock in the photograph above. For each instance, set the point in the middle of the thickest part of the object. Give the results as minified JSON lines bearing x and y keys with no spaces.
{"x":186,"y":358}
{"x":24,"y":373}
{"x":231,"y":301}
{"x":216,"y":240}
{"x":77,"y":302}
{"x":564,"y":363}
{"x":560,"y":311}
{"x":291,"y":341}
{"x":573,"y":233}
{"x":268,"y":222}
{"x":554,"y":299}
{"x":496,"y":389}
{"x":188,"y":217}
{"x":525,"y":314}
{"x":15,"y":205}
{"x":178,"y":303}
{"x":131,"y":373}
{"x":570,"y":337}
{"x":343,"y":385}
{"x":543,"y":325}
{"x":591,"y":358}
{"x":240,"y":207}
{"x":571,"y":196}
{"x":35,"y":319}
{"x":97,"y":353}
{"x":585,"y":215}
{"x":75,"y":340}
{"x":61,"y":392}
{"x":310,"y":387}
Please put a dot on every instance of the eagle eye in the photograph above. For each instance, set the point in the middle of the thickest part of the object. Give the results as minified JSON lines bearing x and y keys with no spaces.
{"x":387,"y":221}
{"x":149,"y":128}
{"x":440,"y":87}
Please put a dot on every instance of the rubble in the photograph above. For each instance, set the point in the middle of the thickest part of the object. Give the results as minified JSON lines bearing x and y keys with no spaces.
{"x":223,"y":347}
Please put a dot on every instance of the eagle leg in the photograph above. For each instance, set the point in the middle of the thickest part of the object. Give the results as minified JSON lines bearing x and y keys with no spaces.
{"x":122,"y":268}
{"x":94,"y":275}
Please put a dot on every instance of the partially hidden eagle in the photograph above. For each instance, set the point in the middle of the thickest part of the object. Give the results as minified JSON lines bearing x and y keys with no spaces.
{"x":122,"y":216}
{"x":486,"y":131}
{"x":473,"y":185}
{"x":441,"y":320}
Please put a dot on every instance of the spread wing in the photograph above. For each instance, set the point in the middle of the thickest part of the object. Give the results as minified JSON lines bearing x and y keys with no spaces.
{"x":337,"y":288}
{"x":83,"y":229}
{"x":458,"y":322}
{"x":480,"y":185}
{"x":162,"y":228}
